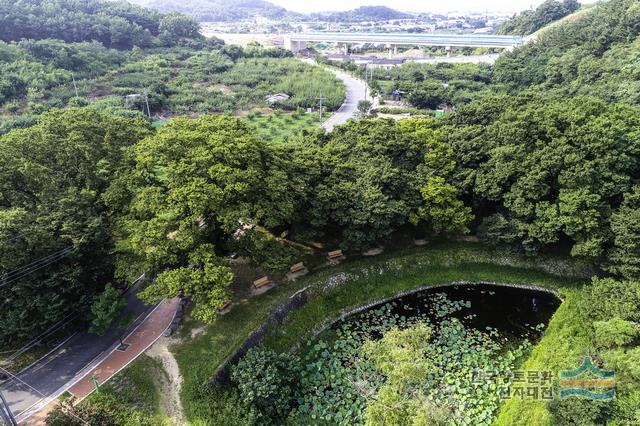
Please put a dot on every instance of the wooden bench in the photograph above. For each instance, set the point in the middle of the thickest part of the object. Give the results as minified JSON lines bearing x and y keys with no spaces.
{"x":336,"y":254}
{"x":261,"y":282}
{"x":225,"y":306}
{"x":297,"y":268}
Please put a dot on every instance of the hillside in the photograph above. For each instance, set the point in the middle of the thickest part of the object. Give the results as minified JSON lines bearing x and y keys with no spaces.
{"x":118,"y":25}
{"x":219,"y":10}
{"x":530,"y":21}
{"x":363,"y":13}
{"x":594,"y":54}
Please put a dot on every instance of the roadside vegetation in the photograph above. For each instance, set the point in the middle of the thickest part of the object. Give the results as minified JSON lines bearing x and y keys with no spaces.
{"x":131,"y":398}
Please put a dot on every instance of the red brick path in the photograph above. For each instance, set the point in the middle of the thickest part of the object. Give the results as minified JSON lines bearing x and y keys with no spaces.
{"x":139,"y":341}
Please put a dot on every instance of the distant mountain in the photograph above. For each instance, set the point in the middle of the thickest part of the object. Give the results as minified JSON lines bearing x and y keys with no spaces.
{"x":219,"y":10}
{"x":363,"y":13}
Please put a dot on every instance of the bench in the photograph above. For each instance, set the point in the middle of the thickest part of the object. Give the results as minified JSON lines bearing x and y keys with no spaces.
{"x":336,"y":254}
{"x":261,"y":282}
{"x":225,"y":306}
{"x":297,"y":268}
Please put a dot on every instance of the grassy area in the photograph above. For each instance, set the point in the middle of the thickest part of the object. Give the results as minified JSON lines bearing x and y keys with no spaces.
{"x":279,"y":127}
{"x":133,"y":396}
{"x":565,"y":342}
{"x":365,"y":280}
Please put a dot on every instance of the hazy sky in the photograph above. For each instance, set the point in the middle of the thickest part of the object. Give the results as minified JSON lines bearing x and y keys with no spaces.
{"x":413,"y":5}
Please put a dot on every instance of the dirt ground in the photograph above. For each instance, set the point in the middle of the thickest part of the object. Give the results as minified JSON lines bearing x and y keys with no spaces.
{"x":172,"y":383}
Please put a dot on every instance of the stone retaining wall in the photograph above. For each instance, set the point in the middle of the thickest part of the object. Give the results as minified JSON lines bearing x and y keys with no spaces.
{"x":295,"y":301}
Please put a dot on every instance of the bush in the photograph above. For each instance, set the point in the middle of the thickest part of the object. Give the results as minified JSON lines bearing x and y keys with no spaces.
{"x":268,"y":382}
{"x":607,"y":298}
{"x":615,"y":332}
{"x":575,"y":411}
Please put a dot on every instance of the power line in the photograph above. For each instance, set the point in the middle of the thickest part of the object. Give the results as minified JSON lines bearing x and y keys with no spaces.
{"x":19,"y":380}
{"x":17,"y":352}
{"x":42,"y":263}
{"x":15,"y":237}
{"x":14,"y":275}
{"x":35,"y":262}
{"x":5,"y":412}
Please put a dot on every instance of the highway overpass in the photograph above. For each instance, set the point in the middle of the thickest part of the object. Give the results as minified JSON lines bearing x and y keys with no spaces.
{"x":297,"y":42}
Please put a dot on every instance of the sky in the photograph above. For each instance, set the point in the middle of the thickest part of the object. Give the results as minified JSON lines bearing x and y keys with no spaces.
{"x":436,"y":6}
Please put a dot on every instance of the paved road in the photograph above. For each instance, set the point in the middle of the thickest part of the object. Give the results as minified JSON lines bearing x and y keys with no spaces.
{"x":48,"y":375}
{"x":355,"y":91}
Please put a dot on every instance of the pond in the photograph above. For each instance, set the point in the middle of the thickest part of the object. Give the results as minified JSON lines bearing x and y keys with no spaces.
{"x":515,"y":312}
{"x":442,"y":355}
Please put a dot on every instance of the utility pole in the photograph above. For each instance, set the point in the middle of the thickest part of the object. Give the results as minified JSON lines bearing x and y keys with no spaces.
{"x":75,"y":86}
{"x":5,"y":412}
{"x":368,"y":76}
{"x":366,"y":86}
{"x":146,"y":99}
{"x":320,"y":100}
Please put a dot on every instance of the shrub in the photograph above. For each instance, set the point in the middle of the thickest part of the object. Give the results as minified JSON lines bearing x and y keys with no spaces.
{"x":576,"y":411}
{"x":267,"y":381}
{"x":615,"y":332}
{"x":607,"y":298}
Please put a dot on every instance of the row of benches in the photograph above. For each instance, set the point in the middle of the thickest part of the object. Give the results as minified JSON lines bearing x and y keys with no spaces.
{"x":297,"y":268}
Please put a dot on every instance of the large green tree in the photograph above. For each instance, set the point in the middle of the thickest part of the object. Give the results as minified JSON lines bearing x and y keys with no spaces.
{"x":52,"y":178}
{"x":372,"y":176}
{"x":624,"y":257}
{"x":545,"y":172}
{"x":193,"y":186}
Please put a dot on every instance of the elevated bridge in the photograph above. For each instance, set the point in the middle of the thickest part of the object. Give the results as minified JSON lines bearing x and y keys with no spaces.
{"x":297,"y":42}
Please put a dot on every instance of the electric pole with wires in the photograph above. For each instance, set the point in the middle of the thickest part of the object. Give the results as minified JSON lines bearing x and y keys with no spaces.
{"x":146,"y":100}
{"x":5,"y":413}
{"x":320,"y":100}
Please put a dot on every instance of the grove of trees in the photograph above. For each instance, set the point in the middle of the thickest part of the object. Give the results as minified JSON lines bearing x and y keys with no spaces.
{"x":541,"y":154}
{"x":56,"y":233}
{"x":120,"y":25}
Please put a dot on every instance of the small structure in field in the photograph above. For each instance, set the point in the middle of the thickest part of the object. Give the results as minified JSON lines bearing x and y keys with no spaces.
{"x":261,"y":282}
{"x":420,"y":240}
{"x":225,"y":308}
{"x":277,"y":98}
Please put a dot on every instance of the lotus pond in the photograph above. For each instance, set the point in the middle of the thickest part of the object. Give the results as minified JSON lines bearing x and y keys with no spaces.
{"x":439,"y":356}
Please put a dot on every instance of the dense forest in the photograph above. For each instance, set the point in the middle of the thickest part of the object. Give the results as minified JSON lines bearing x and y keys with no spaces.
{"x":118,"y":25}
{"x":541,"y":154}
{"x":177,"y":73}
{"x":220,"y":10}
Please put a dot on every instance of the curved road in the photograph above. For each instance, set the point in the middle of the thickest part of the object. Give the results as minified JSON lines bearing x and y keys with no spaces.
{"x":47,"y":376}
{"x":355,"y":92}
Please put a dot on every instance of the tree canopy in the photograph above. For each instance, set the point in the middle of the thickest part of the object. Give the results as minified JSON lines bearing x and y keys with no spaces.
{"x":194,"y":184}
{"x":118,"y":24}
{"x":547,"y":173}
{"x":55,"y":229}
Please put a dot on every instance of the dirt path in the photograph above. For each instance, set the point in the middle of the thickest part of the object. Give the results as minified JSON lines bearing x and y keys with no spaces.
{"x":170,"y":385}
